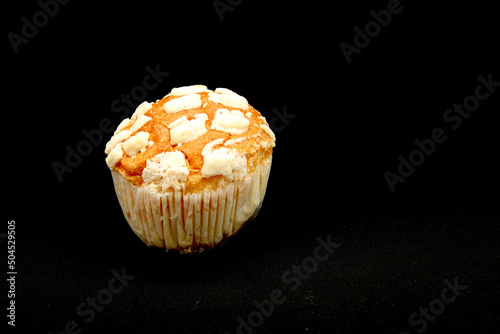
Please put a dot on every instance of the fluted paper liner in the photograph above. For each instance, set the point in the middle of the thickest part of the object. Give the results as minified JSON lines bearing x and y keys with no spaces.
{"x":191,"y":221}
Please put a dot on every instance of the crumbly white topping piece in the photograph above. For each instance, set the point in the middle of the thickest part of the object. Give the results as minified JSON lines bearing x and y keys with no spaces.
{"x":186,"y":102}
{"x":225,"y":91}
{"x":231,"y":100}
{"x":139,"y":123}
{"x":178,"y":121}
{"x":117,"y":138}
{"x":233,"y":122}
{"x":122,"y":125}
{"x":222,"y":161}
{"x":183,"y":131}
{"x":166,"y":170}
{"x":138,"y":119}
{"x":134,"y":144}
{"x":115,"y":155}
{"x":142,"y":108}
{"x":188,"y":90}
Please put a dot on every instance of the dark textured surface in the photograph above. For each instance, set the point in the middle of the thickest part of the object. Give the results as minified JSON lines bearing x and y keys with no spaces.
{"x":347,"y":126}
{"x":388,"y":263}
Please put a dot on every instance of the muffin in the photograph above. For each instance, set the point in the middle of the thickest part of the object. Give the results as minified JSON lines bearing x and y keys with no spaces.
{"x":191,"y":169}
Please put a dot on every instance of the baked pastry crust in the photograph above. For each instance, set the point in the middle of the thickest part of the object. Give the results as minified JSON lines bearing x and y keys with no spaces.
{"x":253,"y":140}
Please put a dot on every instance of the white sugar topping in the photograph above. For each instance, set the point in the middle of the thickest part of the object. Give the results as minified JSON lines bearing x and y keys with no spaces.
{"x":188,"y":90}
{"x":166,"y":170}
{"x":136,"y":143}
{"x":231,"y":100}
{"x":186,"y":102}
{"x":233,"y":122}
{"x":183,"y":131}
{"x":222,"y":161}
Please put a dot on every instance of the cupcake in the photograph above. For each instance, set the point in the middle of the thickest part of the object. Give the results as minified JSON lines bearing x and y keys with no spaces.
{"x":191,"y":169}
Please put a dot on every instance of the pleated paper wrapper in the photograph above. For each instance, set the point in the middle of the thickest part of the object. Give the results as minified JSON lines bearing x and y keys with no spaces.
{"x":191,"y":222}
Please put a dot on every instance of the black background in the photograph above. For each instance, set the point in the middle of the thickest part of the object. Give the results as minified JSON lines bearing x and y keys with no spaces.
{"x":351,"y":123}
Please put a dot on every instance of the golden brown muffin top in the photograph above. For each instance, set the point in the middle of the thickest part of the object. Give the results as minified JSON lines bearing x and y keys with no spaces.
{"x":192,"y":139}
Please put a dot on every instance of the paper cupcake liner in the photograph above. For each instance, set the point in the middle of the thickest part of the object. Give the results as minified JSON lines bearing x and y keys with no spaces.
{"x":192,"y":221}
